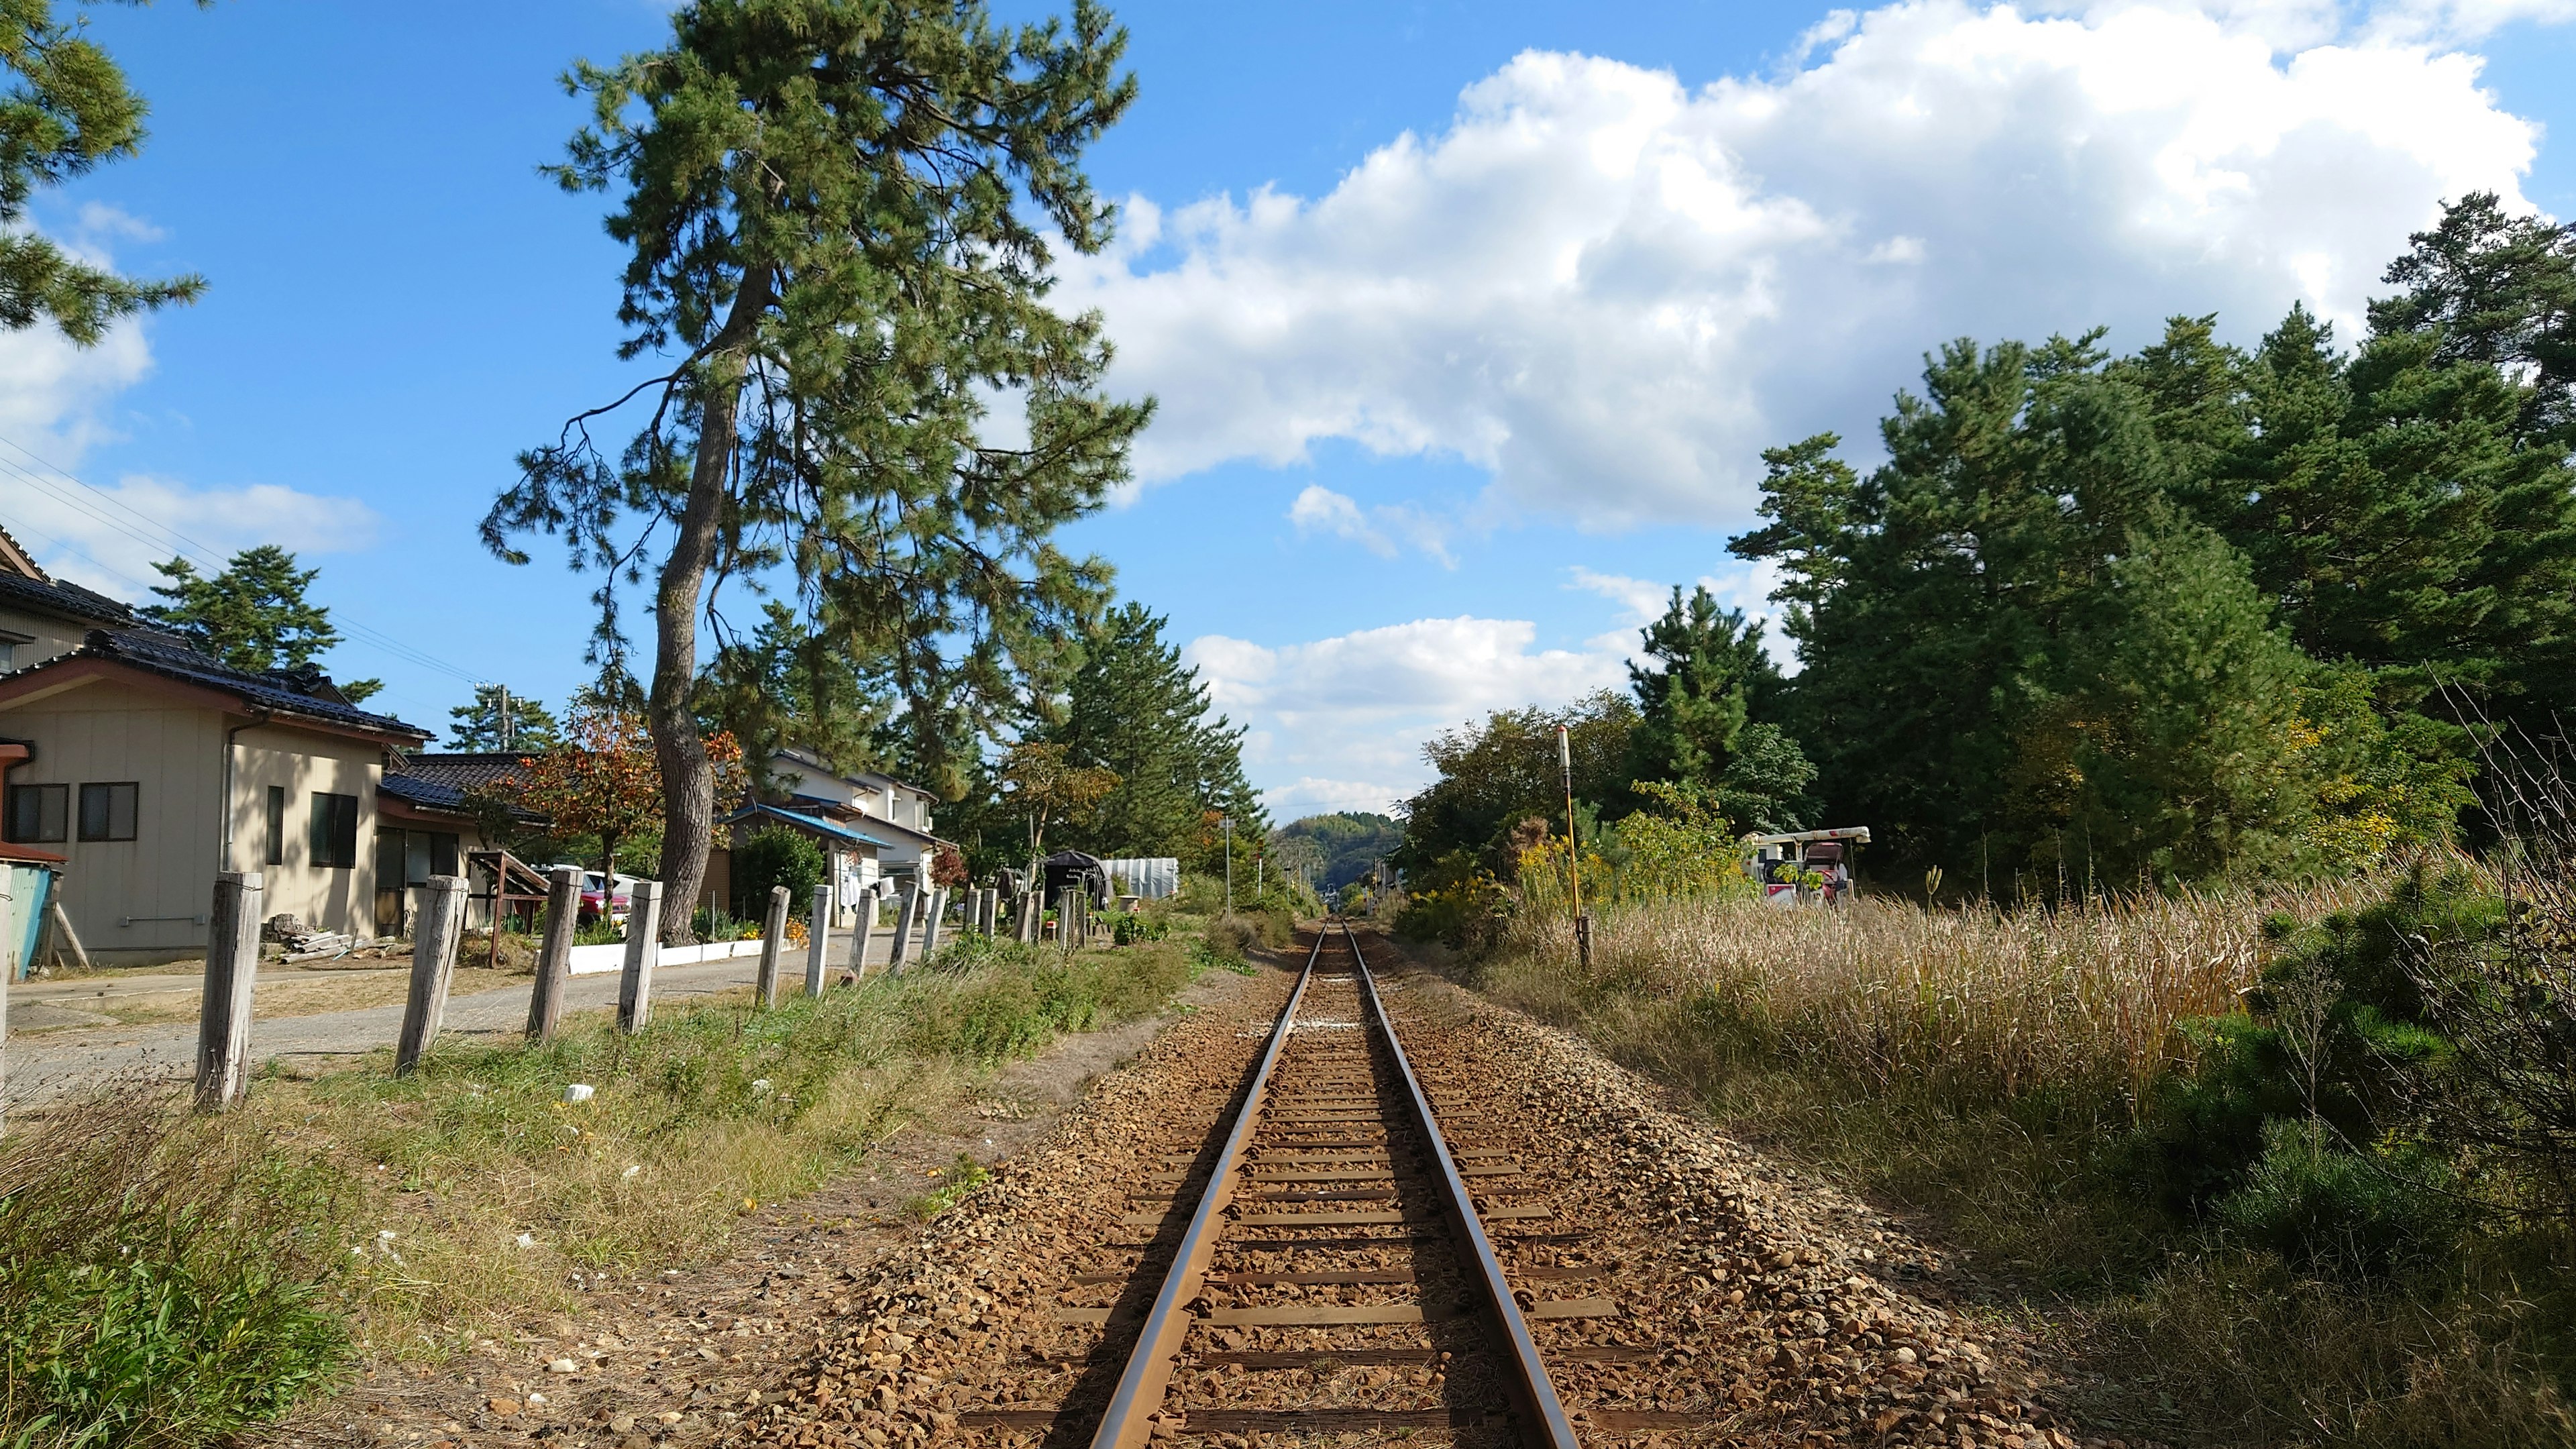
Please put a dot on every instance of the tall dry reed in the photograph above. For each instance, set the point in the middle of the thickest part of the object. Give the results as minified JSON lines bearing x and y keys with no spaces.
{"x":1973,"y":1004}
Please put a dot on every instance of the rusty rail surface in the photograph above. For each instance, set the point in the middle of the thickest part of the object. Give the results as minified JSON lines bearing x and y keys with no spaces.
{"x":1545,"y":1420}
{"x":1127,"y":1422}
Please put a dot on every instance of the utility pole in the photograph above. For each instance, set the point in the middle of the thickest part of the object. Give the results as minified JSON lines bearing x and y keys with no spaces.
{"x":505,"y":717}
{"x":1574,"y":850}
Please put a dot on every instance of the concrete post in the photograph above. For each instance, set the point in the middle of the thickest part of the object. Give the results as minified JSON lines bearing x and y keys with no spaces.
{"x":643,"y":953}
{"x":1064,"y":919}
{"x":433,"y":959}
{"x":930,"y":926}
{"x":901,"y":946}
{"x":818,"y":940}
{"x":773,"y":936}
{"x":554,"y":954}
{"x":863,"y":933}
{"x":223,"y":1014}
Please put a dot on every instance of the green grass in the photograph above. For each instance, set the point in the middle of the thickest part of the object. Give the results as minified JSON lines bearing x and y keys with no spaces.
{"x":169,"y":1280}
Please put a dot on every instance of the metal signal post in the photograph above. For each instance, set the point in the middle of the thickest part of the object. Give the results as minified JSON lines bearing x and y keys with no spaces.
{"x":1574,"y":850}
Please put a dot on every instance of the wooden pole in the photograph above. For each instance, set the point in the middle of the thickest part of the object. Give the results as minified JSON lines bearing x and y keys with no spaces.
{"x":773,"y":936}
{"x":643,"y":952}
{"x":223,"y":1013}
{"x":63,"y":926}
{"x":818,"y":940}
{"x":901,"y":946}
{"x":433,"y":963}
{"x":554,"y":956}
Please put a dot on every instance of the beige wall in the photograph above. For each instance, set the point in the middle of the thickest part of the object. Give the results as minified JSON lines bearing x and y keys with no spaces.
{"x":52,"y":636}
{"x":104,"y":731}
{"x":174,"y":752}
{"x":305,"y":762}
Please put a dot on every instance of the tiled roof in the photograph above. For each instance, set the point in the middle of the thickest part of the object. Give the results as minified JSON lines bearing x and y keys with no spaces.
{"x":441,"y":782}
{"x":306,"y":693}
{"x":53,"y":596}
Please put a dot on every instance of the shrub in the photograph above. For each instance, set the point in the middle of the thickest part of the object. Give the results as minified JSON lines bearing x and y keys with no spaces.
{"x":159,"y":1278}
{"x":2320,"y":1206}
{"x":776,"y":856}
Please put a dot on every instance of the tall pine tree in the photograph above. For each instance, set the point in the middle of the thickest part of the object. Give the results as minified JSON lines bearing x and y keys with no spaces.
{"x":840,"y":216}
{"x":1135,"y":709}
{"x":1696,"y":702}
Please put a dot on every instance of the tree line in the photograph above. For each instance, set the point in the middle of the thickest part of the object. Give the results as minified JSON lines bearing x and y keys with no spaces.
{"x":2106,"y":621}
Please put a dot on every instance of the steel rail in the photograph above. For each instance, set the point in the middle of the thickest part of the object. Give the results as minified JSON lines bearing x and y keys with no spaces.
{"x":1545,"y":1418}
{"x":1127,"y":1422}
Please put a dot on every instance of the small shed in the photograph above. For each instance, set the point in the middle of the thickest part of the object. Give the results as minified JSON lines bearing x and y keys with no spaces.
{"x":1154,"y":878}
{"x":1072,"y":870}
{"x":26,"y":888}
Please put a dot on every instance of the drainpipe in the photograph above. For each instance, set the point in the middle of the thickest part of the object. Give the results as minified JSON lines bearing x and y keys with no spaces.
{"x":224,"y":852}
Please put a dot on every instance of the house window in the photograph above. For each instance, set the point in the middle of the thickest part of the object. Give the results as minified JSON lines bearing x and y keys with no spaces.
{"x":38,"y":814}
{"x":107,"y":810}
{"x":277,"y":825}
{"x":335,"y":831}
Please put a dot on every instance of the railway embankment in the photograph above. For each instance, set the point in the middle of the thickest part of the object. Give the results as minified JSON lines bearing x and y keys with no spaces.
{"x":1678,"y":1287}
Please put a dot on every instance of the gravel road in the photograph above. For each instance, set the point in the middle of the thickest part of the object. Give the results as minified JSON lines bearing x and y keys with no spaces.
{"x":41,"y":1069}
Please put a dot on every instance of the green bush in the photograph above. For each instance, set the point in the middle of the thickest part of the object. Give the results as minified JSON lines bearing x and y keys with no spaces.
{"x":776,"y":856}
{"x":2321,"y":1206}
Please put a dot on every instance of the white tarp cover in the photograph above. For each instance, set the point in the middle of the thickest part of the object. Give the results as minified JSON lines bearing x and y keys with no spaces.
{"x":1154,"y":879}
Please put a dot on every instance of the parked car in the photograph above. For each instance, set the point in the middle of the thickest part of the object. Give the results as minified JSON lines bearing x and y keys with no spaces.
{"x":612,"y":896}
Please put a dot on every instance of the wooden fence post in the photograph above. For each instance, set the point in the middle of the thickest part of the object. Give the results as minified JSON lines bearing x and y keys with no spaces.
{"x":818,"y":940}
{"x":223,"y":1013}
{"x":643,"y":953}
{"x":861,"y":933}
{"x":1033,"y":911}
{"x":433,"y":960}
{"x":901,"y":946}
{"x":554,"y":954}
{"x":773,"y":937}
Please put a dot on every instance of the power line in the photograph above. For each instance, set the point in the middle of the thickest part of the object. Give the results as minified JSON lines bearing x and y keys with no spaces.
{"x":181,"y":545}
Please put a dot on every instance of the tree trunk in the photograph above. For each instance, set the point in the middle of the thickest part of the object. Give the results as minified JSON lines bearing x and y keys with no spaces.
{"x":688,"y":779}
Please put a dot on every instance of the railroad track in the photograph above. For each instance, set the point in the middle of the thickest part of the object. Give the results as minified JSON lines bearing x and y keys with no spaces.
{"x":1330,"y":1256}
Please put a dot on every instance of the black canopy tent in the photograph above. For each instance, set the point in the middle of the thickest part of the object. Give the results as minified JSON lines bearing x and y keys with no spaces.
{"x":1072,"y":870}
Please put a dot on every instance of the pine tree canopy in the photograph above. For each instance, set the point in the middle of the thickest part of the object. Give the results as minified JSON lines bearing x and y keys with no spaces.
{"x":253,"y":616}
{"x":1135,"y":709}
{"x":1696,"y":704}
{"x":67,"y":110}
{"x":840,"y":217}
{"x":477,"y":726}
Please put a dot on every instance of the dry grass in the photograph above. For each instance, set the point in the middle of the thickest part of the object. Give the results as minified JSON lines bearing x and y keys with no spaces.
{"x":1973,"y":1004}
{"x":1985,"y":1071}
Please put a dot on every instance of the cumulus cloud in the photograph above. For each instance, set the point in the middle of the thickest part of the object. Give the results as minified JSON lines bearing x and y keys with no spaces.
{"x":108,"y":538}
{"x":1378,"y":529}
{"x":1343,"y":719}
{"x":1611,"y":291}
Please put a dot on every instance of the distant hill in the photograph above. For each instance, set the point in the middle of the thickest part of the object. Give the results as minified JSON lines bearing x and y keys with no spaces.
{"x":1346,"y":842}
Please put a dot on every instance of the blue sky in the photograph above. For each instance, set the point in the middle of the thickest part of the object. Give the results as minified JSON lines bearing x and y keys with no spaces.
{"x":1468,"y":321}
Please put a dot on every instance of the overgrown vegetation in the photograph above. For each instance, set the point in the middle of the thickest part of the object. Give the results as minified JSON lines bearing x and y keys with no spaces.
{"x":168,"y":1279}
{"x":2298,"y":1162}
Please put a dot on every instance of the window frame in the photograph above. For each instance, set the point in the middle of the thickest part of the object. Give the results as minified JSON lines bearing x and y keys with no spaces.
{"x":62,"y":814}
{"x":106,"y":790}
{"x":331,"y":836}
{"x":273,"y":808}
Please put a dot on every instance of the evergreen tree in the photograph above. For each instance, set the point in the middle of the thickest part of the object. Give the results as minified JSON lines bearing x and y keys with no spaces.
{"x":1136,"y":710}
{"x":253,"y":616}
{"x":840,"y":216}
{"x":2497,"y":290}
{"x":67,"y":110}
{"x":477,"y":726}
{"x":786,"y":685}
{"x":1695,"y":723}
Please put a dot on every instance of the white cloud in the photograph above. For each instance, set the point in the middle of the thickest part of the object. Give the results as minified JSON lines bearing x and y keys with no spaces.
{"x":109,"y":538}
{"x":1343,"y":719}
{"x":1378,"y":529}
{"x":1611,"y":291}
{"x":56,"y":404}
